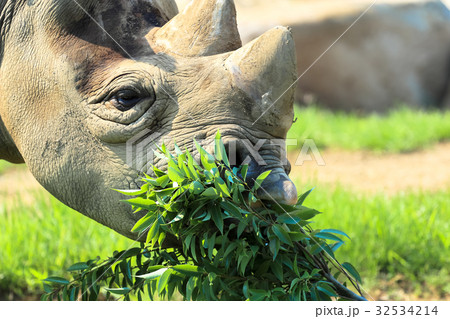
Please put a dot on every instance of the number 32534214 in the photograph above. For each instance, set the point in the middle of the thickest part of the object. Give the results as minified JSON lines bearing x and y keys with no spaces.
{"x":403,"y":310}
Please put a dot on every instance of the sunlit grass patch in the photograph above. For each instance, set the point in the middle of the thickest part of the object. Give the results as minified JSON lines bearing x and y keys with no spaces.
{"x":402,"y":130}
{"x":45,"y":237}
{"x":4,"y":166}
{"x":405,"y":235}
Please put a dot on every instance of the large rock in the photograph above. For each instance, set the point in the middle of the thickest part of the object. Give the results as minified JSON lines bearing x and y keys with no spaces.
{"x":398,"y":52}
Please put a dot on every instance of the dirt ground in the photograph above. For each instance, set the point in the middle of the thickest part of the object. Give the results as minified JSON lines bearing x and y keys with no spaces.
{"x":367,"y":172}
{"x":427,"y":170}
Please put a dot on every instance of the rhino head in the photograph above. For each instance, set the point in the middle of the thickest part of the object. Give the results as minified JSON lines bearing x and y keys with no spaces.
{"x":80,"y":79}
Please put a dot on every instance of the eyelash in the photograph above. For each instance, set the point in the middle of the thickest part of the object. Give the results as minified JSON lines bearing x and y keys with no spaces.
{"x":125,"y":99}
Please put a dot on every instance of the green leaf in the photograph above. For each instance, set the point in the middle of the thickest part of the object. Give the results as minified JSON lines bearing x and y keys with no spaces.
{"x":274,"y":246}
{"x":244,"y":171}
{"x":241,"y":227}
{"x":153,"y":233}
{"x":177,"y":149}
{"x":163,"y":280}
{"x":154,"y":268}
{"x":295,"y":266}
{"x":220,"y":151}
{"x":188,"y":270}
{"x":208,"y":161}
{"x":304,"y":213}
{"x":335,"y":231}
{"x":78,"y":267}
{"x":151,"y":181}
{"x":154,"y":275}
{"x":293,"y":283}
{"x":302,"y":198}
{"x":192,"y":164}
{"x":211,"y":244}
{"x":45,"y":297}
{"x":57,"y":280}
{"x":143,"y":223}
{"x":326,"y":289}
{"x":196,"y":187}
{"x":190,"y":286}
{"x":144,"y":203}
{"x":282,"y":234}
{"x":182,"y":165}
{"x":126,"y":272}
{"x":48,"y":289}
{"x":194,"y":250}
{"x":74,"y":293}
{"x":260,"y":179}
{"x":231,"y":208}
{"x":277,"y":269}
{"x":297,"y":236}
{"x":328,"y":236}
{"x":243,"y":261}
{"x":263,"y":268}
{"x":334,"y":247}
{"x":258,"y":294}
{"x":65,"y":294}
{"x":245,"y":290}
{"x":352,"y":271}
{"x":229,"y":249}
{"x":220,"y":185}
{"x":158,"y":172}
{"x":176,"y":175}
{"x":131,"y":192}
{"x":130,"y":253}
{"x":160,"y":194}
{"x":210,"y":192}
{"x":163,"y":181}
{"x":118,"y":291}
{"x":288,"y":219}
{"x":216,"y":215}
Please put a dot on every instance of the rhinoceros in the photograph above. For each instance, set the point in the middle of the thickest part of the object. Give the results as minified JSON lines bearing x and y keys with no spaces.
{"x":81,"y":78}
{"x":363,"y":56}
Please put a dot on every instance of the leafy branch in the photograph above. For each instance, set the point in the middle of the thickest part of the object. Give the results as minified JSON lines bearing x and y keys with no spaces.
{"x":230,"y":244}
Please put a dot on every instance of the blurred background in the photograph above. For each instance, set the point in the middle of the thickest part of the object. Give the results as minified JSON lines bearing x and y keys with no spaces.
{"x":373,"y":96}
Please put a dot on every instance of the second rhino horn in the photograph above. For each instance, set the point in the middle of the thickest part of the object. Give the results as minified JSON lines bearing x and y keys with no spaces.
{"x":205,"y":27}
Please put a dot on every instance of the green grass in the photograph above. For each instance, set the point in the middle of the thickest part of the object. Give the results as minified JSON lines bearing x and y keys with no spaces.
{"x":402,"y":130}
{"x":43,"y":238}
{"x":406,"y":234}
{"x":4,"y":166}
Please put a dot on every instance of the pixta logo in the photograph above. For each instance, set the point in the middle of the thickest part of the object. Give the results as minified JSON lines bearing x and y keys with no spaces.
{"x":141,"y":150}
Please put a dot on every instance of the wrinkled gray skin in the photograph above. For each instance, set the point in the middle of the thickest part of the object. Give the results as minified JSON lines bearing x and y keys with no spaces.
{"x":65,"y":104}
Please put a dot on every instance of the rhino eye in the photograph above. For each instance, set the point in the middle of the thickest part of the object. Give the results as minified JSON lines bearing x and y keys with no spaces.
{"x":125,"y":100}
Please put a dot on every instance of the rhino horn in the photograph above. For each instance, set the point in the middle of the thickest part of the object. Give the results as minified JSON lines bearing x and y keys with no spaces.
{"x":266,"y":70}
{"x":204,"y":28}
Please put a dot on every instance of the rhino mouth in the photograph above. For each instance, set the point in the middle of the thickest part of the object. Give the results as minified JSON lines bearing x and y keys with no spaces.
{"x":260,"y":155}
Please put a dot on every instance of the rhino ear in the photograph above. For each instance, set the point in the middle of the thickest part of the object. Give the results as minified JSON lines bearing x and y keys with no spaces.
{"x":205,"y":27}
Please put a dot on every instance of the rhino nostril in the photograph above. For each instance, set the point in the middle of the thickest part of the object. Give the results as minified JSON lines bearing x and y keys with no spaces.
{"x":288,"y":168}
